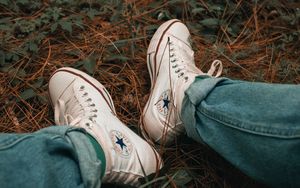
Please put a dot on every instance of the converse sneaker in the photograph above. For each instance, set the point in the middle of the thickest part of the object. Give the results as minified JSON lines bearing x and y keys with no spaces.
{"x":80,"y":100}
{"x":170,"y":61}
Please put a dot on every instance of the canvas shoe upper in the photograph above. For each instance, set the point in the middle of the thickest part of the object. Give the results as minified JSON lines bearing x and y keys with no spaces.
{"x":80,"y":100}
{"x":170,"y":61}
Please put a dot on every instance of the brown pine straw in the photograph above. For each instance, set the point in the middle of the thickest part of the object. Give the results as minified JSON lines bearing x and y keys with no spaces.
{"x":128,"y":81}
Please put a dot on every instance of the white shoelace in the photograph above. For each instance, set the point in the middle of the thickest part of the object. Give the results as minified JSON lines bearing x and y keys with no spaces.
{"x":181,"y":68}
{"x":72,"y":112}
{"x":215,"y":64}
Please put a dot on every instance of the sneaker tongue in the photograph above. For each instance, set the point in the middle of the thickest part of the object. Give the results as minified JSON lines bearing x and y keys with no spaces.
{"x":70,"y":108}
{"x":188,"y":53}
{"x":193,"y":69}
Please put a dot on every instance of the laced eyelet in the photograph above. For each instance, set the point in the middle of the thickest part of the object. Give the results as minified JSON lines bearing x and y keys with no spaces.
{"x":177,"y":71}
{"x":88,"y":125}
{"x":181,"y":74}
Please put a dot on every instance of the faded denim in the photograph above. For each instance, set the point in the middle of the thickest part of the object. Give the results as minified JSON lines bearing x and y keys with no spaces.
{"x":58,"y":156}
{"x":255,"y":126}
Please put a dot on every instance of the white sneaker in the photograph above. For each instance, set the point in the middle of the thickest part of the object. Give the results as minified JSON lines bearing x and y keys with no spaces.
{"x":170,"y":61}
{"x":80,"y":100}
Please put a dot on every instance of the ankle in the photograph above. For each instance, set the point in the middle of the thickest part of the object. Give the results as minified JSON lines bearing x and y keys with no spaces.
{"x":99,"y":152}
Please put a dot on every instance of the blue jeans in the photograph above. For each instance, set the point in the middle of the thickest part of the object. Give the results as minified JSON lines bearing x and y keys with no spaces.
{"x":255,"y":126}
{"x":58,"y":156}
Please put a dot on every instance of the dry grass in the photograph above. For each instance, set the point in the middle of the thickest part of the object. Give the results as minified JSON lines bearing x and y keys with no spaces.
{"x":257,"y":59}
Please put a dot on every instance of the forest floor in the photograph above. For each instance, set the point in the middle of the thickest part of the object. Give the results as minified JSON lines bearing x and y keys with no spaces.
{"x":255,"y":40}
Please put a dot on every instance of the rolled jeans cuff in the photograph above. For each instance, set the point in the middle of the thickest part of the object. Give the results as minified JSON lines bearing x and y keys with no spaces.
{"x":197,"y":91}
{"x":89,"y":164}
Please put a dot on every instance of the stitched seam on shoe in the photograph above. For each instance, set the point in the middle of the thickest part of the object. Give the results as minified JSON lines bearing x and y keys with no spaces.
{"x":150,"y":67}
{"x":279,"y":133}
{"x":158,"y":45}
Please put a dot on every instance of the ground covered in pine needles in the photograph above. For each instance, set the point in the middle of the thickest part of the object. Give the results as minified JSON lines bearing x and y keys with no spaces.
{"x":256,"y":41}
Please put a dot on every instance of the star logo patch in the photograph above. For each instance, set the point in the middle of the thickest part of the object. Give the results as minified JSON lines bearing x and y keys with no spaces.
{"x":164,"y":103}
{"x":121,"y":143}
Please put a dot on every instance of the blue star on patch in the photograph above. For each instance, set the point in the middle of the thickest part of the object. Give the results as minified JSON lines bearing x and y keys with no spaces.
{"x":120,"y":142}
{"x":166,"y":102}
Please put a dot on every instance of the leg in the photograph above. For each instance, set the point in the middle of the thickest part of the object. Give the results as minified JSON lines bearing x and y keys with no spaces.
{"x":81,"y":101}
{"x":57,"y":156}
{"x":97,"y":148}
{"x":255,"y":126}
{"x":252,"y":125}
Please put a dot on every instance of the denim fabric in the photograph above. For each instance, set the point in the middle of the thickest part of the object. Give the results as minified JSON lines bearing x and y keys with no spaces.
{"x":58,"y":156}
{"x":255,"y":126}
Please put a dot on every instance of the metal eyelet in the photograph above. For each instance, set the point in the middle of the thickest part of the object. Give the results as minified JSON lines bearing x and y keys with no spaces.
{"x":88,"y":125}
{"x":177,"y":71}
{"x":181,"y":74}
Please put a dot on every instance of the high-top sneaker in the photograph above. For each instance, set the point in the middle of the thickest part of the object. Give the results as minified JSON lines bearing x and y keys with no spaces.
{"x":170,"y":61}
{"x":80,"y":100}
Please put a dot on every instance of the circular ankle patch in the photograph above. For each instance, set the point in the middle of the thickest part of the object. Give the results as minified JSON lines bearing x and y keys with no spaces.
{"x":164,"y":102}
{"x":121,"y":143}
